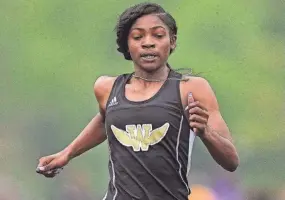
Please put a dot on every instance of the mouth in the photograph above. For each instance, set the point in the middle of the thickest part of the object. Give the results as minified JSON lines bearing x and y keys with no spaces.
{"x":150,"y":57}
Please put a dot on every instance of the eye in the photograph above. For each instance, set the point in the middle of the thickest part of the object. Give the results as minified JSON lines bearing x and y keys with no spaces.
{"x":159,"y":36}
{"x":137,"y":37}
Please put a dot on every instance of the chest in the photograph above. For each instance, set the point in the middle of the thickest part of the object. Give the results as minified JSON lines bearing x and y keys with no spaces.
{"x":140,"y":127}
{"x":135,"y":92}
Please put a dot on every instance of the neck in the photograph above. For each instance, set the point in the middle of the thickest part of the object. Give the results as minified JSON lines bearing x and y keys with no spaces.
{"x":160,"y":74}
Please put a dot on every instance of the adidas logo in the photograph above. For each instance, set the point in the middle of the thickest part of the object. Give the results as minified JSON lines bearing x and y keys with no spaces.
{"x":113,"y":102}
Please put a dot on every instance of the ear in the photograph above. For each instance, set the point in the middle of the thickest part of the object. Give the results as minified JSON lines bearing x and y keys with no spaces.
{"x":173,"y":39}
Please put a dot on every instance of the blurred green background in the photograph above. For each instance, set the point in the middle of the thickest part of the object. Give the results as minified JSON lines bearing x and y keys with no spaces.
{"x":51,"y":52}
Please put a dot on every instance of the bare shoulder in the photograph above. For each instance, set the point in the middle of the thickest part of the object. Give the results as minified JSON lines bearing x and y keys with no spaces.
{"x":104,"y":84}
{"x":102,"y":88}
{"x":195,"y":84}
{"x":195,"y":80}
{"x":201,"y":89}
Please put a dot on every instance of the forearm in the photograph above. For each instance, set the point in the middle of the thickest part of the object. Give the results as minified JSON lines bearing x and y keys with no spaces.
{"x":221,"y":149}
{"x":92,"y":135}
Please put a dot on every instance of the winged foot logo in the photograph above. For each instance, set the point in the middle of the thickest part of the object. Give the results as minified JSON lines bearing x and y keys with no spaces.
{"x":140,"y":137}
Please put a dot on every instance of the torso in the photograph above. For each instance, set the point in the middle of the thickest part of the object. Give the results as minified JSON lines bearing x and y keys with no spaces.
{"x":149,"y":139}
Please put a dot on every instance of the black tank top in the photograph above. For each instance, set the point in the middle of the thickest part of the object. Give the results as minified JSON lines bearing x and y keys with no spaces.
{"x":149,"y":143}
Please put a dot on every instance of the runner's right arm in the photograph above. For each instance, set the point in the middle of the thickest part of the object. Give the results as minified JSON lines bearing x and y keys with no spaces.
{"x":94,"y":133}
{"x":91,"y":136}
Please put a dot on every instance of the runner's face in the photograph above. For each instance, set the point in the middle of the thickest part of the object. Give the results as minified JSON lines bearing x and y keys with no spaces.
{"x":149,"y":43}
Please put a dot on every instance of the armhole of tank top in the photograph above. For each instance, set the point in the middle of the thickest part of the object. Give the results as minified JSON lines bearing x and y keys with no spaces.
{"x":112,"y":91}
{"x":180,"y":102}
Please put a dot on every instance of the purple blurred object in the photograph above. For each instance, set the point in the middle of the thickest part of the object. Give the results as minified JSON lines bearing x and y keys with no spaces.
{"x":226,"y":190}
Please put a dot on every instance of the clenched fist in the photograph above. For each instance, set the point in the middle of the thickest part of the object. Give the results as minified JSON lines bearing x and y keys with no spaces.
{"x":198,"y":116}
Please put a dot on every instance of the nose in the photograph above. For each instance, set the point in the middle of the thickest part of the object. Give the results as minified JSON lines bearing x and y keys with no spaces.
{"x":148,"y":43}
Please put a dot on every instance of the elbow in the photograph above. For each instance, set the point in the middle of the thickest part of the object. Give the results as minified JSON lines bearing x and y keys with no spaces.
{"x":232,"y":168}
{"x":233,"y":165}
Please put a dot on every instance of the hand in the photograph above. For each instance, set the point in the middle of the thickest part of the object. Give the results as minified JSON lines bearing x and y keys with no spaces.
{"x":198,"y":116}
{"x":51,"y":165}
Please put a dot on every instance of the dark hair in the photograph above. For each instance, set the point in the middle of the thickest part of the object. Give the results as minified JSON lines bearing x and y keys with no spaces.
{"x":129,"y":16}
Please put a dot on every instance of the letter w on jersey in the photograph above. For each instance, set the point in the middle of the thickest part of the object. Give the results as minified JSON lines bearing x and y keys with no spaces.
{"x":140,"y":137}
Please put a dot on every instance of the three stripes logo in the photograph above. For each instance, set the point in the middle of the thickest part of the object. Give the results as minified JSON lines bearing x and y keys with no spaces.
{"x":113,"y":102}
